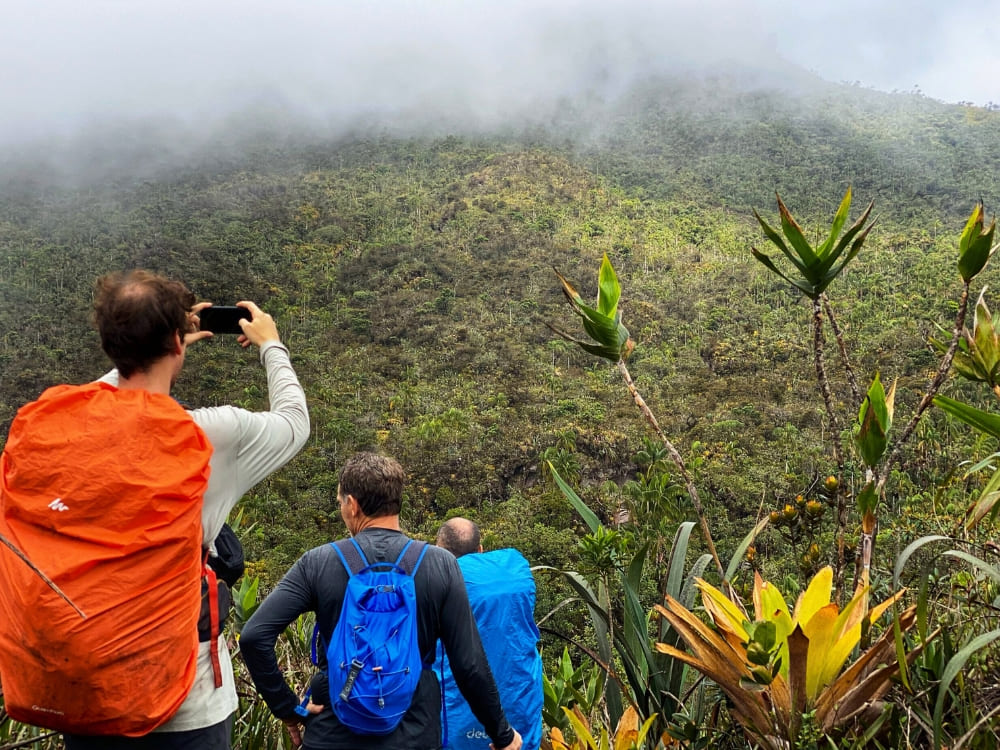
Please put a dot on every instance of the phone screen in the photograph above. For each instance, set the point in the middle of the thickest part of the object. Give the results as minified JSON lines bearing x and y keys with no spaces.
{"x":223,"y":319}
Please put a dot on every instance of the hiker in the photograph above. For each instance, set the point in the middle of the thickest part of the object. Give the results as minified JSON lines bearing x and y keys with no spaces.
{"x":146,"y":322}
{"x":501,"y":592}
{"x":370,"y":494}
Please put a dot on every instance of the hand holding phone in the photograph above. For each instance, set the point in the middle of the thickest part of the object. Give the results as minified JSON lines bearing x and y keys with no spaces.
{"x":223,"y":318}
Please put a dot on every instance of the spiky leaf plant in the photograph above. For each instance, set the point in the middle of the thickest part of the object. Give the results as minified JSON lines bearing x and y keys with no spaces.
{"x":610,"y":339}
{"x":789,"y":663}
{"x":817,"y":266}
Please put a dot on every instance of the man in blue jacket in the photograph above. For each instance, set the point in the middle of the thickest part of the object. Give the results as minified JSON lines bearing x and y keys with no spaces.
{"x":502,"y":595}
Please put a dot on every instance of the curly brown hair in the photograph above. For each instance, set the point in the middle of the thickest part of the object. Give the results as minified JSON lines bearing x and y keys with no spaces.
{"x":375,"y":481}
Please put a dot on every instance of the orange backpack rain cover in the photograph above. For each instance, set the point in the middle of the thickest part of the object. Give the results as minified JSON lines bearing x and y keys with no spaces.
{"x":102,"y":490}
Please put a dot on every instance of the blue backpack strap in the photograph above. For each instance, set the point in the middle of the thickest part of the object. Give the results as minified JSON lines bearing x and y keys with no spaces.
{"x":350,"y":554}
{"x":411,"y":556}
{"x":444,"y":702}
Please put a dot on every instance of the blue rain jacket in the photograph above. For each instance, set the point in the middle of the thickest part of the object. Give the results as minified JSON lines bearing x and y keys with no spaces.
{"x":502,"y":594}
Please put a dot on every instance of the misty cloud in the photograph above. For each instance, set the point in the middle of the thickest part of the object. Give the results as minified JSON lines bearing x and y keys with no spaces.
{"x":67,"y":65}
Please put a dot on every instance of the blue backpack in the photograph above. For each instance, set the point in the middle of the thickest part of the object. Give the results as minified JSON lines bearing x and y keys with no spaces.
{"x":373,"y":660}
{"x":501,"y":592}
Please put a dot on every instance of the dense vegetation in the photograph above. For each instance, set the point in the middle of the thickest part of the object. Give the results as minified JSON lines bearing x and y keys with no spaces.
{"x":411,"y":277}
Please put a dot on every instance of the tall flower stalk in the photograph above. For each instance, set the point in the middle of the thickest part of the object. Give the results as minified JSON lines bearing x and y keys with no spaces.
{"x":610,"y":340}
{"x":816,"y":268}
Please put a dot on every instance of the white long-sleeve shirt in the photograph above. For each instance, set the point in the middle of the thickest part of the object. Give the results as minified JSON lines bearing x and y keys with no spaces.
{"x":247,"y":447}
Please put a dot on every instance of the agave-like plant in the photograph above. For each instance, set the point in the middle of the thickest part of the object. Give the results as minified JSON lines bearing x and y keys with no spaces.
{"x":610,"y":339}
{"x":870,"y":435}
{"x":817,"y":266}
{"x":871,"y":430}
{"x":787,"y":664}
{"x":978,"y":355}
{"x":975,"y":246}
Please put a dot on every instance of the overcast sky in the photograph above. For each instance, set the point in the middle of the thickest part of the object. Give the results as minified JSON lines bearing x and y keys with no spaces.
{"x":66,"y":63}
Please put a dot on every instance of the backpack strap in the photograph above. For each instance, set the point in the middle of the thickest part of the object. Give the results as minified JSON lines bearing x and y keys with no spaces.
{"x":351,"y":555}
{"x":354,"y":560}
{"x":444,"y":701}
{"x":213,"y":616}
{"x":411,"y":556}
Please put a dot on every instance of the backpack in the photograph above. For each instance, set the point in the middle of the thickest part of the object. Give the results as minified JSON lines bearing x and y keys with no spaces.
{"x":373,"y":660}
{"x":228,"y":562}
{"x":227,"y":565}
{"x":102,"y":490}
{"x":501,"y":592}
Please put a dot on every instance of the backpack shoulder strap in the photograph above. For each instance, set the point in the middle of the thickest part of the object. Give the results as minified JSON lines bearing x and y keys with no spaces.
{"x":411,"y":556}
{"x":350,"y":554}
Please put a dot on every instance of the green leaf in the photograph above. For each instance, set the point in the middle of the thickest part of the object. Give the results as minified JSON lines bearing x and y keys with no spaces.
{"x":907,"y":553}
{"x":973,"y":260}
{"x":780,"y":244}
{"x":988,"y":499}
{"x":697,"y":571}
{"x":951,"y":670}
{"x":678,"y":554}
{"x":741,"y":550}
{"x":853,"y":230}
{"x":608,"y":289}
{"x":970,"y":231}
{"x":778,"y":241}
{"x":872,"y":426}
{"x":989,"y":570}
{"x":589,"y":517}
{"x":855,"y":249}
{"x":793,"y":232}
{"x":982,"y":420}
{"x":867,"y":499}
{"x":974,"y":246}
{"x":838,"y":223}
{"x":803,"y":286}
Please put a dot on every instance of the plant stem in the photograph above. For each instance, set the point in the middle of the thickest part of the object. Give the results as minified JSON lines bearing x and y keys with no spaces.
{"x":942,"y":372}
{"x":678,"y":462}
{"x":41,"y":575}
{"x":838,"y":456}
{"x":851,"y":379}
{"x":868,"y":536}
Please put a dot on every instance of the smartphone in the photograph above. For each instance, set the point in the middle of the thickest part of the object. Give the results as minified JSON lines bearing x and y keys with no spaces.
{"x":222,"y":319}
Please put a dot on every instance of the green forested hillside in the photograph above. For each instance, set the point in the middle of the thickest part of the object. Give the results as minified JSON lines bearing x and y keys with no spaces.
{"x":412,"y":277}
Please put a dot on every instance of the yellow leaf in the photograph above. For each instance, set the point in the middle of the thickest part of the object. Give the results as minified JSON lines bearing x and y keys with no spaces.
{"x":724,"y":613}
{"x":816,"y":595}
{"x":783,"y":627}
{"x":854,"y":611}
{"x":768,"y":601}
{"x":629,"y":722}
{"x":879,"y":609}
{"x":758,"y":584}
{"x":579,"y":723}
{"x":557,"y":740}
{"x":819,"y":630}
{"x":845,"y":636}
{"x":626,"y":740}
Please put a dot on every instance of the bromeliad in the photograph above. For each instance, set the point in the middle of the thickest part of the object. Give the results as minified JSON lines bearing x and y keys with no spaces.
{"x":789,"y":663}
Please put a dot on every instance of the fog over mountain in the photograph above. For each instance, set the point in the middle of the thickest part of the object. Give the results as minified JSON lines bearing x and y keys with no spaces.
{"x":66,"y":67}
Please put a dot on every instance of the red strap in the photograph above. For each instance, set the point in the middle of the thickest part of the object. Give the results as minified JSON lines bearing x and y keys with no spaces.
{"x":213,"y":618}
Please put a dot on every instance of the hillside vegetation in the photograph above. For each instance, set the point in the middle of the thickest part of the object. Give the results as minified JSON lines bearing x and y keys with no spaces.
{"x":412,"y":277}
